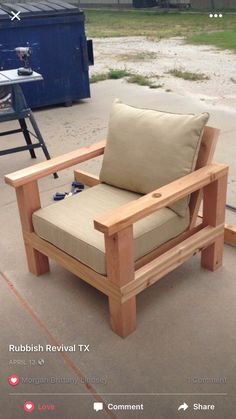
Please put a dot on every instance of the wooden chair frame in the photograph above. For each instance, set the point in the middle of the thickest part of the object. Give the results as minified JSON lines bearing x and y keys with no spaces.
{"x":125,"y":279}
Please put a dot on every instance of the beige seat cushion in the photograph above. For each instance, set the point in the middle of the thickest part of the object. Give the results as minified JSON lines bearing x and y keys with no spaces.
{"x":147,"y":149}
{"x":68,"y":224}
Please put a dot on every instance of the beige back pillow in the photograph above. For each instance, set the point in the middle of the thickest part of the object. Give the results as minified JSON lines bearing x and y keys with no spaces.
{"x":147,"y":149}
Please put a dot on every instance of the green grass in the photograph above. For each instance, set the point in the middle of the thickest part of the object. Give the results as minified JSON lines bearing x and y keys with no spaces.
{"x":111,"y":74}
{"x":95,"y":78}
{"x":104,"y":23}
{"x":187,"y":75}
{"x":225,"y":39}
{"x":130,"y":77}
{"x":117,"y":73}
{"x":143,"y":81}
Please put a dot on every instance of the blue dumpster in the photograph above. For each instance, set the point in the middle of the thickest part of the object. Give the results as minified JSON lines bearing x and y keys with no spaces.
{"x":60,"y":52}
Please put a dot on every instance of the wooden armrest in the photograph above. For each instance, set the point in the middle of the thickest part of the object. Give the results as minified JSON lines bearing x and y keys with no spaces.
{"x":128,"y":214}
{"x":37,"y":171}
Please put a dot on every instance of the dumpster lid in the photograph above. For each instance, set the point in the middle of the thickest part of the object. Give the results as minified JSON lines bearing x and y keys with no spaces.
{"x":39,"y":8}
{"x":3,"y":15}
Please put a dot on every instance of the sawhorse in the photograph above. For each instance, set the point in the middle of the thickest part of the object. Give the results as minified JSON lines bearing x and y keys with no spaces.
{"x":17,"y":109}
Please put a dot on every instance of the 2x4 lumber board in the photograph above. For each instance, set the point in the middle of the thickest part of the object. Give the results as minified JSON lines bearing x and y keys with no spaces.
{"x":155,"y":270}
{"x":56,"y":164}
{"x":120,"y":270}
{"x":37,"y":262}
{"x":128,"y":214}
{"x":87,"y":178}
{"x":207,"y":147}
{"x":28,"y":200}
{"x":73,"y":265}
{"x":120,"y":256}
{"x":230,"y":234}
{"x":214,"y":199}
{"x":205,"y":156}
{"x":168,"y":245}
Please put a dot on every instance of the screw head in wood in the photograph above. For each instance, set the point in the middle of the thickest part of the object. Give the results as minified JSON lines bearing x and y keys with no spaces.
{"x":156,"y":195}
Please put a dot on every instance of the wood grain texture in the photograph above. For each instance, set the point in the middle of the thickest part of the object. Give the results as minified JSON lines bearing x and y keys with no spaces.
{"x":128,"y":214}
{"x":87,"y":178}
{"x":56,"y":164}
{"x":214,"y":199}
{"x":120,"y":256}
{"x":123,"y":316}
{"x":205,"y":156}
{"x":120,"y":271}
{"x":29,"y":201}
{"x":230,"y":234}
{"x":73,"y":265}
{"x":169,"y":245}
{"x":171,"y":259}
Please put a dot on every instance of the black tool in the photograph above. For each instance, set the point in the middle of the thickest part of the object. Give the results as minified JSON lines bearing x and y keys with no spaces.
{"x":24,"y":54}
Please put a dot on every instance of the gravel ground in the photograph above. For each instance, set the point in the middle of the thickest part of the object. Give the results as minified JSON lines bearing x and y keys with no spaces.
{"x":158,"y":57}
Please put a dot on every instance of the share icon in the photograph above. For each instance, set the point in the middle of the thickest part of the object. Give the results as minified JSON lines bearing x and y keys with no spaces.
{"x":183,"y":406}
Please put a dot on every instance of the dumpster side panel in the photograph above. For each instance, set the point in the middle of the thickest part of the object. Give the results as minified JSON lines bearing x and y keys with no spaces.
{"x":59,"y":54}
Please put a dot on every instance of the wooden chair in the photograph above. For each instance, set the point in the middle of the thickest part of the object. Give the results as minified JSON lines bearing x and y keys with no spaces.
{"x":125,"y":279}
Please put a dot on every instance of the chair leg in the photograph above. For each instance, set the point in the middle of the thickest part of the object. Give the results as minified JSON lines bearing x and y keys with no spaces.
{"x":212,"y":256}
{"x":120,"y":271}
{"x":38,"y":263}
{"x":123,"y":316}
{"x":214,"y":198}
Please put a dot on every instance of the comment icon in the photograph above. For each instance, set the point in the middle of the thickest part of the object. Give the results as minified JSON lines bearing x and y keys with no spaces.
{"x":97,"y":406}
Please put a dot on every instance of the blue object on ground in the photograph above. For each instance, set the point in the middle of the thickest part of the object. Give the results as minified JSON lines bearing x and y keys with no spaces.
{"x":77,"y":187}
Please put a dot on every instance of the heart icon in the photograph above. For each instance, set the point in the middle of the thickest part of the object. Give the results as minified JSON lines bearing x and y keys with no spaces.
{"x":29,"y":406}
{"x":13,"y":380}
